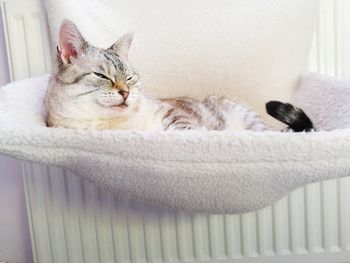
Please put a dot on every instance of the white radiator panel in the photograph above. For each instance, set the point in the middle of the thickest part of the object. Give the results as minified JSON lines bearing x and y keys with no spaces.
{"x":27,"y":38}
{"x":72,"y":221}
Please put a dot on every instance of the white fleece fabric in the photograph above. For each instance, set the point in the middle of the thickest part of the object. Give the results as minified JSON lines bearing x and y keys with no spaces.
{"x":249,"y":50}
{"x":325,"y":100}
{"x":216,"y":172}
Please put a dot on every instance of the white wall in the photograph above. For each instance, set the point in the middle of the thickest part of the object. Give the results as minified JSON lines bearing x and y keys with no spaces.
{"x":14,"y":234}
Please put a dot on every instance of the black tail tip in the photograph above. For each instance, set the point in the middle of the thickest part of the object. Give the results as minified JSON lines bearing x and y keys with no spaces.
{"x":295,"y":118}
{"x":272,"y":107}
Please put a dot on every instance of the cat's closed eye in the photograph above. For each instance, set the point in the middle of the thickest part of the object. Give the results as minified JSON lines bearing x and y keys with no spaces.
{"x":132,"y":79}
{"x":102,"y":76}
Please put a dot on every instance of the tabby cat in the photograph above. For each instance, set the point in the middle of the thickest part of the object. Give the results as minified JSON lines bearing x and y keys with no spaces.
{"x":96,"y":88}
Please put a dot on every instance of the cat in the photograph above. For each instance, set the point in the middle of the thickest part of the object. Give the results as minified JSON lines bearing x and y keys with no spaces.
{"x":96,"y":88}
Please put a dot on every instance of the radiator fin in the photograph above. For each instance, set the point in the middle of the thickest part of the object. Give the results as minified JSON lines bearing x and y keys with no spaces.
{"x":75,"y":222}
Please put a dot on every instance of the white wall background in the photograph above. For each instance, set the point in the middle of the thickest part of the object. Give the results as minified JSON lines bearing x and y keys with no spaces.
{"x":14,"y":234}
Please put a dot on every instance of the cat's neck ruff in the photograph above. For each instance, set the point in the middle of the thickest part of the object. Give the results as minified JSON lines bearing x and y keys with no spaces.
{"x":148,"y":117}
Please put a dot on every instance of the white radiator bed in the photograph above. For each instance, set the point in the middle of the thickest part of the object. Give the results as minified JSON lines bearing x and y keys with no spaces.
{"x":72,"y":221}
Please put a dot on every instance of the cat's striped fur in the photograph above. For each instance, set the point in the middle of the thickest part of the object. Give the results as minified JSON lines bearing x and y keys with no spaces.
{"x":211,"y":113}
{"x":98,"y":89}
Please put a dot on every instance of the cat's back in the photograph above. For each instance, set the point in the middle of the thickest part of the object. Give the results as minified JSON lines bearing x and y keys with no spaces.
{"x":210,"y":113}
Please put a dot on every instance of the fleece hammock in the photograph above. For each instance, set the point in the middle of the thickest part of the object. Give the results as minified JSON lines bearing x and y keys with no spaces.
{"x":216,"y":172}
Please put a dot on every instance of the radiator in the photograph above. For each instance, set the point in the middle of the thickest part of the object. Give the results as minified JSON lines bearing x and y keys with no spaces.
{"x":73,"y":221}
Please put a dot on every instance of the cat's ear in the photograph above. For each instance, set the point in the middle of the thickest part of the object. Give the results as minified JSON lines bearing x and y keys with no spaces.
{"x":122,"y":46}
{"x":70,"y":42}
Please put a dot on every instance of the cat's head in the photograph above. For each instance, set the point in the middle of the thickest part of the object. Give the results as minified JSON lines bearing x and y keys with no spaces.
{"x":99,"y":82}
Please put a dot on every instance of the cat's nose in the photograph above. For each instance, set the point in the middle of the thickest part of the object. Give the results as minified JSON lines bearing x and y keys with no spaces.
{"x":124,"y":93}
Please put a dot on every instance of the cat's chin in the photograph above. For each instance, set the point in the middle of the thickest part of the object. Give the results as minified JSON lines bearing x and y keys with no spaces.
{"x":122,"y":109}
{"x":121,"y":106}
{"x":119,"y":109}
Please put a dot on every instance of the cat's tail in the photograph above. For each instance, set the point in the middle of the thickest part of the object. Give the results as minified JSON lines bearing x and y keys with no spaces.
{"x":295,"y":118}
